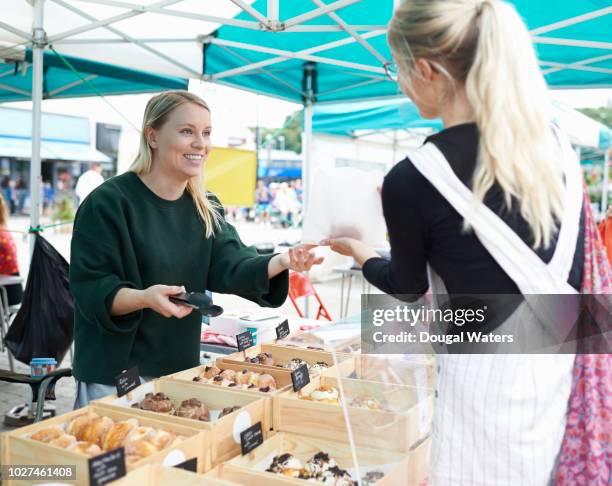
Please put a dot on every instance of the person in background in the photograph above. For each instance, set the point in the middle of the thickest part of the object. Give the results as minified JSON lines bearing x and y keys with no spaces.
{"x":21,"y":189}
{"x":262,"y":201}
{"x":10,"y":194}
{"x":605,"y":229}
{"x":9,"y":264}
{"x":88,"y":181}
{"x":47,"y":197}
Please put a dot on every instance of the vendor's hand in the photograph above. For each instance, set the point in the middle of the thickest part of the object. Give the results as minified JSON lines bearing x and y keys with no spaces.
{"x":344,"y":245}
{"x":157,"y":298}
{"x":300,"y":258}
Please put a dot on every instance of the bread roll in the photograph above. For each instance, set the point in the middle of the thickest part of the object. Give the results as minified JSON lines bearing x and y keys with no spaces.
{"x":141,"y":448}
{"x":95,"y":431}
{"x":48,"y":434}
{"x":65,"y":441}
{"x":86,"y":448}
{"x":78,"y":424}
{"x":118,"y":433}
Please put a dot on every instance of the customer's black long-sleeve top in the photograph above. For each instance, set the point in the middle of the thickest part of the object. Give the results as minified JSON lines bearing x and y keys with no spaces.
{"x":424,"y":228}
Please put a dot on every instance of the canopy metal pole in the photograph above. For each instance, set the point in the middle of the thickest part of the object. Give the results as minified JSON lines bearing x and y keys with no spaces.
{"x":38,"y":44}
{"x":606,"y":179}
{"x":307,"y":155}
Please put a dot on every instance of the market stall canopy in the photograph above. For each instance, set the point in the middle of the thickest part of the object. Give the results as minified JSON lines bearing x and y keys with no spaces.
{"x":401,"y":114}
{"x":349,"y":118}
{"x":572,"y":39}
{"x":264,"y":45}
{"x":70,"y":77}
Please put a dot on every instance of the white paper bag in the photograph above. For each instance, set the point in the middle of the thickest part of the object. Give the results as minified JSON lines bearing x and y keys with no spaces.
{"x":345,"y":202}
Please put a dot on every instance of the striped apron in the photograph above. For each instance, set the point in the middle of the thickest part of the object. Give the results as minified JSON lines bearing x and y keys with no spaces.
{"x":499,"y":419}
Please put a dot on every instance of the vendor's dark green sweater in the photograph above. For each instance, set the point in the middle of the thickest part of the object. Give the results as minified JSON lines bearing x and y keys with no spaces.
{"x":126,"y":236}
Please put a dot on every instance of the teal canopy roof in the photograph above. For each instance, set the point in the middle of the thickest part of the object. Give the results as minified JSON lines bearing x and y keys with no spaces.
{"x":61,"y":81}
{"x":401,"y":113}
{"x":391,"y":114}
{"x":572,"y":40}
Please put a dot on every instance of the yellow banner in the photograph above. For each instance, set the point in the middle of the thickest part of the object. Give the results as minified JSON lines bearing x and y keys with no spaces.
{"x":231,"y":174}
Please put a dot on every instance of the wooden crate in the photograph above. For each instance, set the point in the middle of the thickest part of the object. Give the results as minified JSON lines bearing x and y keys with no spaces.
{"x":406,"y":421}
{"x":400,"y":469}
{"x":281,"y":355}
{"x":282,"y":377}
{"x":405,"y":370}
{"x":155,"y":475}
{"x":18,"y":448}
{"x":225,"y":432}
{"x":310,"y":340}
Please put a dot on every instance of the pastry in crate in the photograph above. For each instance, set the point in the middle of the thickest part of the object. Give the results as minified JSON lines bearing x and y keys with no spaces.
{"x":262,"y":359}
{"x":91,"y":434}
{"x":314,"y":369}
{"x":329,"y":394}
{"x":321,"y":468}
{"x":156,"y":402}
{"x":194,"y":409}
{"x":244,"y":379}
{"x":191,"y":408}
{"x":323,"y":394}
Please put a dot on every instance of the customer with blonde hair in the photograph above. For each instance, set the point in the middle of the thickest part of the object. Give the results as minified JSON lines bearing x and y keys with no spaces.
{"x":489,"y":205}
{"x":151,"y":233}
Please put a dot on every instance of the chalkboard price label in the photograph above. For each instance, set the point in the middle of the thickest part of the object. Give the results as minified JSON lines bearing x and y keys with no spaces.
{"x":107,"y":467}
{"x":189,"y":465}
{"x":251,"y":438}
{"x":244,"y":340}
{"x":127,"y":381}
{"x":300,"y":377}
{"x":282,"y":330}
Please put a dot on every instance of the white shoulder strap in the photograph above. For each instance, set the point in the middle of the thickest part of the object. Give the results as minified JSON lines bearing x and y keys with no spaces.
{"x":563,"y":258}
{"x":521,"y":263}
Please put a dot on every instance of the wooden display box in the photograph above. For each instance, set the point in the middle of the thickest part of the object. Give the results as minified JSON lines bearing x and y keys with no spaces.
{"x":18,"y":448}
{"x":405,"y":421}
{"x":281,"y":355}
{"x":310,"y":340}
{"x":399,"y":469}
{"x":155,"y":475}
{"x":281,"y":376}
{"x":224,"y":432}
{"x":414,"y":370}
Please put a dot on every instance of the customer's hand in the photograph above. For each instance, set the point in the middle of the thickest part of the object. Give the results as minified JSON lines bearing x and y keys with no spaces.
{"x":157,"y":298}
{"x":344,"y":245}
{"x":300,"y":258}
{"x":360,"y":252}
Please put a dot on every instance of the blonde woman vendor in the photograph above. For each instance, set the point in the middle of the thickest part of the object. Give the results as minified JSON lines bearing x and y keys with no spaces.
{"x":489,"y":205}
{"x":153,"y":232}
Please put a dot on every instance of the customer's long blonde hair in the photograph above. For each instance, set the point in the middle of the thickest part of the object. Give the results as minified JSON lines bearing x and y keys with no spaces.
{"x":486,"y":45}
{"x":155,"y":115}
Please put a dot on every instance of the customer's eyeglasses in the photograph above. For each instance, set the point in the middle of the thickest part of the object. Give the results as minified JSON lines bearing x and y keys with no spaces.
{"x":391,"y":70}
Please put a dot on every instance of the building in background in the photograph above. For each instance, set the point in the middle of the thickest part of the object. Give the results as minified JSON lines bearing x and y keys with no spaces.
{"x":67,"y":150}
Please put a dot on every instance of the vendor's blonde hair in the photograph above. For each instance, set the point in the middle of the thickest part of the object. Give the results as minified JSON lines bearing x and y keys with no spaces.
{"x":156,"y":114}
{"x":485,"y":45}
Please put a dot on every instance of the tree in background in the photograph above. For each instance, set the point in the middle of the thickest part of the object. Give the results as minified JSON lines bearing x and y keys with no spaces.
{"x":603,"y":114}
{"x":291,"y":130}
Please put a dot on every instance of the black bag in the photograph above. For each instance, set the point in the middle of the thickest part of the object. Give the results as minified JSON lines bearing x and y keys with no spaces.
{"x":44,"y":325}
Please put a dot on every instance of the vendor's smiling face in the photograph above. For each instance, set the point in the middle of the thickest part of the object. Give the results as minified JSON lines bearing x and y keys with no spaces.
{"x":182,"y":143}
